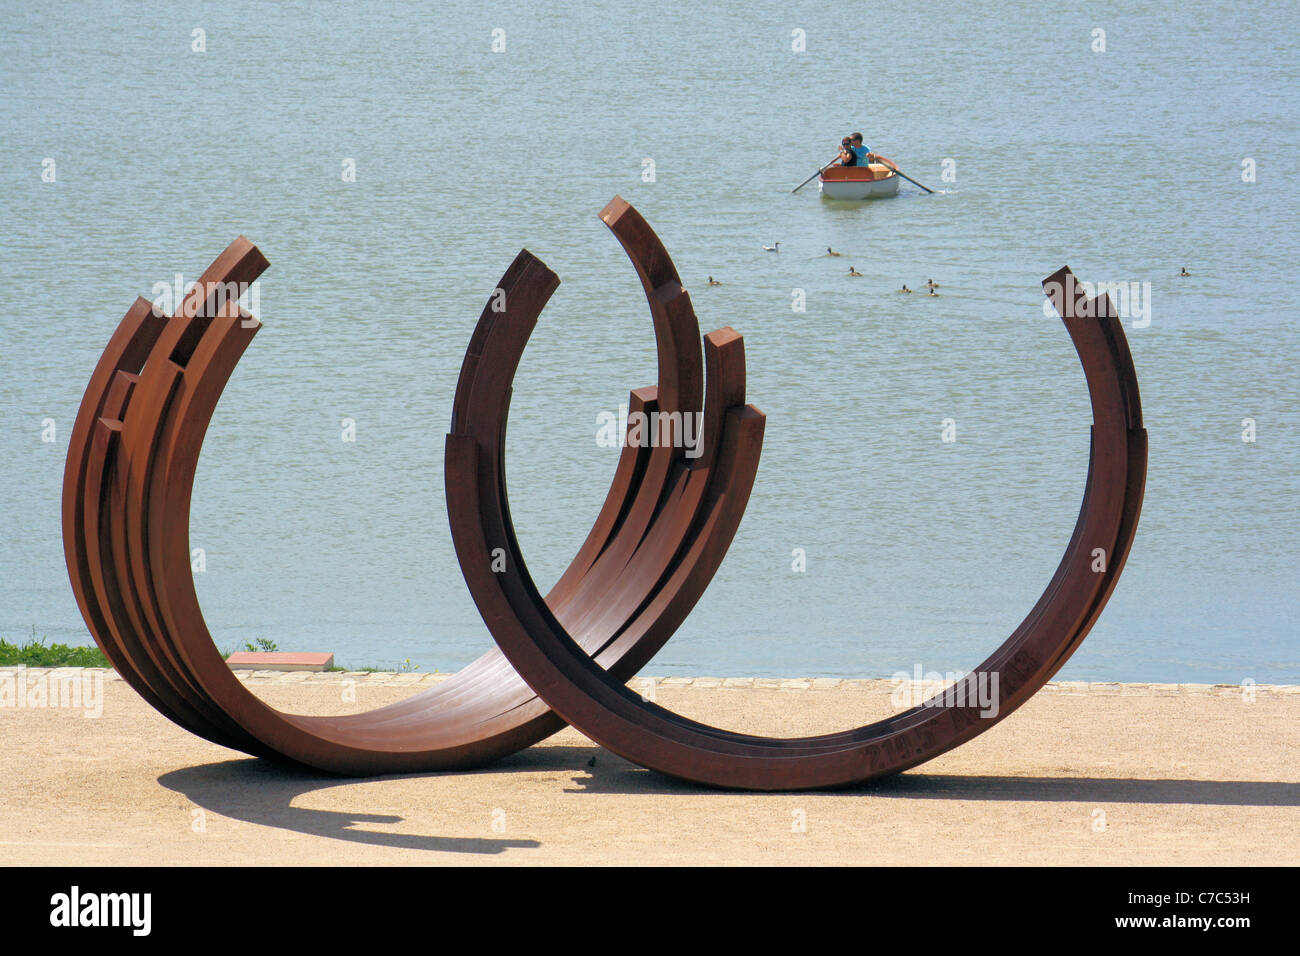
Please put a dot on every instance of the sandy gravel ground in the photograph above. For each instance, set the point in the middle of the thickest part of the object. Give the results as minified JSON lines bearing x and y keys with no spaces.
{"x":1083,"y":774}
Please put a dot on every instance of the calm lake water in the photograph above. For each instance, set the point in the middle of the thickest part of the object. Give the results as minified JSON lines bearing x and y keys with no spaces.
{"x":1126,"y":163}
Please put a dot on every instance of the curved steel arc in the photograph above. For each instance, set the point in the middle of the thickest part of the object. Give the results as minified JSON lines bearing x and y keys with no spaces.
{"x":595,"y":701}
{"x":130,"y":474}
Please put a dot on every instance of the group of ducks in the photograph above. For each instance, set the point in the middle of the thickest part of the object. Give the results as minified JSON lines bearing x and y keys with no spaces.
{"x":930,"y":284}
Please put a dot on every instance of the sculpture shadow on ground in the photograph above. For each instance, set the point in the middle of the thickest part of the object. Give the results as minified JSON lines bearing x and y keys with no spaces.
{"x":262,"y":792}
{"x":612,"y":774}
{"x":1210,"y":793}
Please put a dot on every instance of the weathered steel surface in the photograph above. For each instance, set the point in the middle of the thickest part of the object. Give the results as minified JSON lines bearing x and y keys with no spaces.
{"x":538,"y":644}
{"x":130,"y":474}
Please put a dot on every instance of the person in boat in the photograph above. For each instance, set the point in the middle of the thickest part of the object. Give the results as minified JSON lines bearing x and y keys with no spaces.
{"x":847,"y":155}
{"x":861,"y":153}
{"x":931,"y":285}
{"x":865,"y":156}
{"x":855,"y":273}
{"x":904,"y":288}
{"x":1184,"y":274}
{"x":713,"y":281}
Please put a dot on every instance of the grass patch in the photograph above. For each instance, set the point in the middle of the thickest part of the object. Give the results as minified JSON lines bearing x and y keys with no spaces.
{"x":404,"y":667}
{"x":36,"y":653}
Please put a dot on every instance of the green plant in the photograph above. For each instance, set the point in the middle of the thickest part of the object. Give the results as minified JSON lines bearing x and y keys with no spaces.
{"x":406,"y":667}
{"x":262,"y":644}
{"x":35,"y":653}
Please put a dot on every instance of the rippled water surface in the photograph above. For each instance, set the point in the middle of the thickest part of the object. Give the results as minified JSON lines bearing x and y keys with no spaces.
{"x":1126,"y":164}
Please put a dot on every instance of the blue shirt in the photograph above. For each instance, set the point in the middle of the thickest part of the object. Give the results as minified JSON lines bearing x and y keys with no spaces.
{"x":861,"y":153}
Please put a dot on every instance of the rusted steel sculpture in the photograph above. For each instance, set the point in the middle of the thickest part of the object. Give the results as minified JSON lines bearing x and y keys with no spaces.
{"x":596,"y":702}
{"x":130,"y":473}
{"x":667,"y":521}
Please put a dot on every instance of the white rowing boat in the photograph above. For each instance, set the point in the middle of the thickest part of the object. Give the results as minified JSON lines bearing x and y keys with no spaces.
{"x":872,"y":181}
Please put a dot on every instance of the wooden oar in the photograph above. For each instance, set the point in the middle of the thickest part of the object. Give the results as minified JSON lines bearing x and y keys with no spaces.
{"x":814,"y":175}
{"x":890,"y":164}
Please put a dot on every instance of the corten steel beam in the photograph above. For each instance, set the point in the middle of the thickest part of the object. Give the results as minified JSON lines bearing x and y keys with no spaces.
{"x":538,"y":644}
{"x":130,"y":474}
